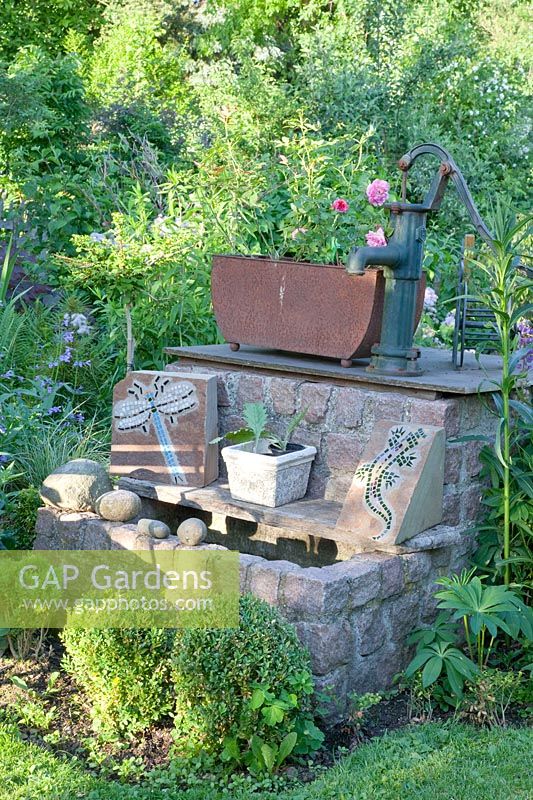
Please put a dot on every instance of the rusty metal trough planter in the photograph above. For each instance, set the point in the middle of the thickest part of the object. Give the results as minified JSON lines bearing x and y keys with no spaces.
{"x":317,"y":309}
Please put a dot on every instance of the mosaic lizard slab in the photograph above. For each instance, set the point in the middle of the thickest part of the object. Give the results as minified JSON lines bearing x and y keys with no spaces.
{"x":398,"y":486}
{"x":162,"y":425}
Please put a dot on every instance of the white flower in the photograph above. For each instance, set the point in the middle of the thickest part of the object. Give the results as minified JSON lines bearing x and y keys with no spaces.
{"x":77,"y":322}
{"x":270,"y":53}
{"x":449,"y":319}
{"x":430,"y":299}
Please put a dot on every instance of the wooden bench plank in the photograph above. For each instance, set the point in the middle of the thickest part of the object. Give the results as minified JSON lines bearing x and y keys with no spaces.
{"x":311,"y":516}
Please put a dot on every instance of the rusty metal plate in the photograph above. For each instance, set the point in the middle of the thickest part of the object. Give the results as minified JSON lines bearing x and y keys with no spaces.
{"x":317,"y":309}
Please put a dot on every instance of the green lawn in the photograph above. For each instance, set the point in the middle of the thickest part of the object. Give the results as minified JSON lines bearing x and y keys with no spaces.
{"x":429,"y":762}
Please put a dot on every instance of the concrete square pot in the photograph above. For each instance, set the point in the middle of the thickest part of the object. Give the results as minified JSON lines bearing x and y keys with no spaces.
{"x":268,"y":480}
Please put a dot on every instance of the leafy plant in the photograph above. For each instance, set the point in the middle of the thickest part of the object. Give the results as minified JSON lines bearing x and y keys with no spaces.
{"x":264,"y":757}
{"x":32,"y":709}
{"x":7,"y":270}
{"x":442,"y":657}
{"x":234,"y":684}
{"x":35,"y":713}
{"x":261,"y":755}
{"x":124,"y":674}
{"x":484,"y":611}
{"x":255,"y":415}
{"x":490,"y":695}
{"x":358,"y":706}
{"x":22,"y":516}
{"x":506,"y":293}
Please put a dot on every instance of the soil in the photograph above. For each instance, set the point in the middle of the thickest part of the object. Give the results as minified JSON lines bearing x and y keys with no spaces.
{"x":292,"y":447}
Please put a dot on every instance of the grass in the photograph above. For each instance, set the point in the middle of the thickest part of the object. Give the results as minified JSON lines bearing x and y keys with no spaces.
{"x":429,"y":762}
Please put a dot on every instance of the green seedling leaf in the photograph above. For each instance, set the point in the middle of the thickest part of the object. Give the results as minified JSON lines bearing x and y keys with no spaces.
{"x":293,"y":424}
{"x":269,"y":757}
{"x":20,"y":683}
{"x":257,"y":699}
{"x":286,"y":747}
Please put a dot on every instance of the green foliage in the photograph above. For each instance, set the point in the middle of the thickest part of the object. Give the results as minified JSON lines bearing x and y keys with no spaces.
{"x":234,"y":126}
{"x":7,"y":270}
{"x":255,"y":416}
{"x":234,"y":685}
{"x":46,"y":22}
{"x":490,"y":695}
{"x":43,"y":106}
{"x":505,"y":290}
{"x":442,"y":658}
{"x":489,"y":556}
{"x":130,"y":63}
{"x":56,"y":370}
{"x":269,"y":757}
{"x":152,"y":264}
{"x":124,"y":674}
{"x":23,"y":516}
{"x":485,"y":612}
{"x":422,"y":762}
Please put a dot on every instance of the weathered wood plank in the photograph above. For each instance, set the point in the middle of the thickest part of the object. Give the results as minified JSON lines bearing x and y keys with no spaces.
{"x":439,"y":375}
{"x":314,"y":517}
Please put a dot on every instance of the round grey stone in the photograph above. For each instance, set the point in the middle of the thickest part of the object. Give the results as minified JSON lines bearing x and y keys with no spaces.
{"x":118,"y":506}
{"x":192,"y":532}
{"x":153,"y":527}
{"x":76,"y":485}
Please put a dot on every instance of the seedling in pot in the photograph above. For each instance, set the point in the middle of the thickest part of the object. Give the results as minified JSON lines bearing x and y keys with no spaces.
{"x":255,"y":416}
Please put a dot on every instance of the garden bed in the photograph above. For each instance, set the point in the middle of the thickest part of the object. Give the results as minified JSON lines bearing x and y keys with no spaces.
{"x":67,"y":760}
{"x":70,"y":731}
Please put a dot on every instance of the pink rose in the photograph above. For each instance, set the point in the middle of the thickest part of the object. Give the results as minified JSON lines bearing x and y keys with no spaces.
{"x":376,"y":238}
{"x":340,"y":205}
{"x":377,"y":192}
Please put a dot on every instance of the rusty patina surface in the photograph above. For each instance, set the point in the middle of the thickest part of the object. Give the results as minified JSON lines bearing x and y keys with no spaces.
{"x":317,"y":309}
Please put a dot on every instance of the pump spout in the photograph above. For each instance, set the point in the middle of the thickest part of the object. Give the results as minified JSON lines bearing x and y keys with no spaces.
{"x":361,"y":257}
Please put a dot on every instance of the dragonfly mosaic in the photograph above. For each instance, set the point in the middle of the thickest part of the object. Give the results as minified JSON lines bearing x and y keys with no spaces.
{"x":161,"y":402}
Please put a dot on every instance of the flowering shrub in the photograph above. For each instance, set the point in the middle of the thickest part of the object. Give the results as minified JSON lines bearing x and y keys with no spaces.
{"x":377,"y":192}
{"x":340,"y":205}
{"x":54,"y":372}
{"x":313,"y":227}
{"x":376,"y":238}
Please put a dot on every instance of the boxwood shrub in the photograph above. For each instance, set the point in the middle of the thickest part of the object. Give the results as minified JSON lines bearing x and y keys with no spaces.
{"x":124,"y":673}
{"x":215,"y":674}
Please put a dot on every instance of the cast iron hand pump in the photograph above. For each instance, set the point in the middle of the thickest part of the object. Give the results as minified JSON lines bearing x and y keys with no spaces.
{"x":402,"y":262}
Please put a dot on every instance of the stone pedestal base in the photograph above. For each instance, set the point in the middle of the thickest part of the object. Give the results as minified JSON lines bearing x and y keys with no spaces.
{"x":353,"y":616}
{"x":352,"y":609}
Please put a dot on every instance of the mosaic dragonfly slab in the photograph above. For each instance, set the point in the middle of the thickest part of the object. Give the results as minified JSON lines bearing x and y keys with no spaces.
{"x":162,"y":425}
{"x":398,"y":486}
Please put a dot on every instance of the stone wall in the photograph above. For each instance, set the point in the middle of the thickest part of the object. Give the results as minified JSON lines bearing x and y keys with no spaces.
{"x":354,"y":616}
{"x":340,"y":420}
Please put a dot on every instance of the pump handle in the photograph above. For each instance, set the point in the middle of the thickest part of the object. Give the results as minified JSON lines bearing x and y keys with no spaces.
{"x":448,"y":169}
